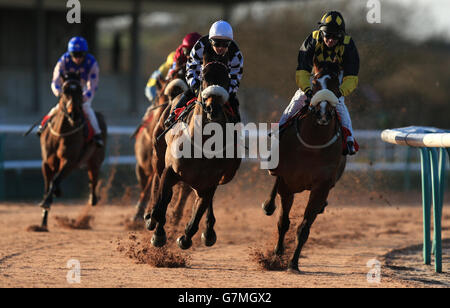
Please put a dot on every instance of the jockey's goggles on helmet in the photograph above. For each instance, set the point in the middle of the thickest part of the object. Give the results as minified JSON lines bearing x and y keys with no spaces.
{"x":334,"y":36}
{"x":78,"y":54}
{"x":220,"y":42}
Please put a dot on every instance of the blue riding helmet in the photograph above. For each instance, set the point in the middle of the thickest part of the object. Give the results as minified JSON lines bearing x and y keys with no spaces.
{"x":77,"y":44}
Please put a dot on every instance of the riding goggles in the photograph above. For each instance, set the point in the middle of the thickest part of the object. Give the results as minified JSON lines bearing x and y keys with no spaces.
{"x":220,"y":42}
{"x":78,"y":54}
{"x":334,"y":36}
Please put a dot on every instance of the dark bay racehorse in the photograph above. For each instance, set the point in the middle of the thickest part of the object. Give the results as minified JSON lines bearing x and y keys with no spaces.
{"x":64,"y":147}
{"x":310,"y":159}
{"x":203,"y":174}
{"x":144,"y":149}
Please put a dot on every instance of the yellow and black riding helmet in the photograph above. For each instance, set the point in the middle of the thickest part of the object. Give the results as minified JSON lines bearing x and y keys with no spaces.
{"x":332,"y":24}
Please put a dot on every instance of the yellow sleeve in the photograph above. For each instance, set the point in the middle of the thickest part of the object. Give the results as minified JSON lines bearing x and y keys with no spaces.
{"x":164,"y":68}
{"x":349,"y":84}
{"x":302,"y":79}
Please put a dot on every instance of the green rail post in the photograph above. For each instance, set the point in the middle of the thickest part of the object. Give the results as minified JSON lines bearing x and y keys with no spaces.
{"x":426,"y":203}
{"x":435,"y":184}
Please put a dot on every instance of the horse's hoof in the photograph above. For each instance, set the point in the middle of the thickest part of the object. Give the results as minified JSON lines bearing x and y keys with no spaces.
{"x":279,"y":251}
{"x":209,"y":238}
{"x":269,"y":207}
{"x":159,"y":240}
{"x":150,"y":223}
{"x":184,"y":243}
{"x":293,"y":268}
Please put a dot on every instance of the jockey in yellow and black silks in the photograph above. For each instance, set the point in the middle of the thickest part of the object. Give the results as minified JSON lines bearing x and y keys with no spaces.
{"x":329,"y":43}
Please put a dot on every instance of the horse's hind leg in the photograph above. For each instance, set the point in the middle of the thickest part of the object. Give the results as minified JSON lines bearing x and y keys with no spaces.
{"x":203,"y":202}
{"x":168,"y":180}
{"x":316,"y":201}
{"x":93,"y":173}
{"x":269,"y":205}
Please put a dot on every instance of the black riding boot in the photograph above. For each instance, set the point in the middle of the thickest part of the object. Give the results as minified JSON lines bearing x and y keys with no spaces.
{"x":184,"y":99}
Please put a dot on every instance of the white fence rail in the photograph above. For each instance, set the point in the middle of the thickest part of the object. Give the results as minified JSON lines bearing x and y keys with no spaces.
{"x":375,"y":155}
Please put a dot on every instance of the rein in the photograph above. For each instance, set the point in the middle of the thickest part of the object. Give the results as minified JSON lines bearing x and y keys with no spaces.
{"x":316,"y":147}
{"x":57,"y":134}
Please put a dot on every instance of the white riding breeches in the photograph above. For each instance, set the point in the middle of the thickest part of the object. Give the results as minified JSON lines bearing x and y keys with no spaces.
{"x":88,"y":111}
{"x":298,"y":101}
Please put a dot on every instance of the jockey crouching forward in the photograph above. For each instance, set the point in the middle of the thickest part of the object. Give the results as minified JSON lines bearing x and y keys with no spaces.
{"x":217,"y":46}
{"x":175,"y":62}
{"x":329,"y":43}
{"x":77,"y":60}
{"x":160,"y":73}
{"x":182,"y":54}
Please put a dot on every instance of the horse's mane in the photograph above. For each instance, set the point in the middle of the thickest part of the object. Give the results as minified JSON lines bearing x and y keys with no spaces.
{"x":216,"y":73}
{"x":327,"y":67}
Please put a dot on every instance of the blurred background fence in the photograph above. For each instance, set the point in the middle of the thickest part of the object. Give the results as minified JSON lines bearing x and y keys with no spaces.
{"x":403,"y":73}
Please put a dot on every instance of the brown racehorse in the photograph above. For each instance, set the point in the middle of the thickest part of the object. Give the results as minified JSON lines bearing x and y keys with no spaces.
{"x":144,"y":148}
{"x":64,"y":148}
{"x":202,"y":174}
{"x":310,"y":159}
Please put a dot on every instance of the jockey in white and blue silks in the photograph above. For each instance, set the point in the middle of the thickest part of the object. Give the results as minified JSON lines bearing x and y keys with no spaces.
{"x":78,"y":60}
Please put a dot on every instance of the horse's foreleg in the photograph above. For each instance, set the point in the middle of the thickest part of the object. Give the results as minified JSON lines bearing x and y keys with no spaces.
{"x":269,"y":205}
{"x":316,"y":201}
{"x":65,"y":168}
{"x":150,"y":222}
{"x":168,"y":180}
{"x":209,"y":236}
{"x":183,"y":195}
{"x":93,"y":172}
{"x":284,"y":222}
{"x":203,"y":202}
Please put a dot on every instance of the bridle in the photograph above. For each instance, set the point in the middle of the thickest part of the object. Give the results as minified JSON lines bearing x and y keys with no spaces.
{"x":63,"y":108}
{"x":311,"y":111}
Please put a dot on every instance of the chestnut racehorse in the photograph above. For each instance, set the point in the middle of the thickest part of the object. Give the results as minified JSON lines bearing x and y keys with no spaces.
{"x":310,"y":158}
{"x":64,"y":147}
{"x":144,"y":148}
{"x":202,"y":174}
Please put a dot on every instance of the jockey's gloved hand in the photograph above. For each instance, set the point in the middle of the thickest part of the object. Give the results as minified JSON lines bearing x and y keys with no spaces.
{"x":233,"y":99}
{"x":194,"y":88}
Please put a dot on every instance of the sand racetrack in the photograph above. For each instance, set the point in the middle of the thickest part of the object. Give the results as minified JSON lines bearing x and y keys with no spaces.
{"x":342,"y":241}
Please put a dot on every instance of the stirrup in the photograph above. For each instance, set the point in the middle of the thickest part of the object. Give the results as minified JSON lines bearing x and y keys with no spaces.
{"x":41,"y":129}
{"x":351,"y":148}
{"x":99,"y":141}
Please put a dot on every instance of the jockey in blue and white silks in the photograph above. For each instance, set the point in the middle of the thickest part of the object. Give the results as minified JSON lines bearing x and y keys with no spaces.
{"x":78,"y":60}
